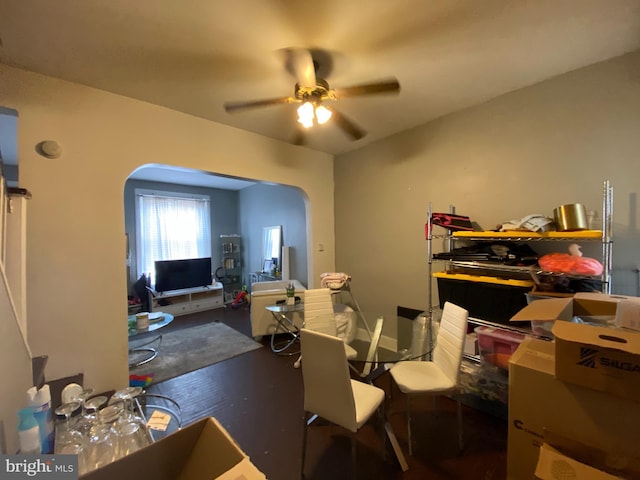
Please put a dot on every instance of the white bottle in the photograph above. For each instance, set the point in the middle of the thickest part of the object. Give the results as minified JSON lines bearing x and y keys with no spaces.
{"x":40,"y":403}
{"x":28,"y":433}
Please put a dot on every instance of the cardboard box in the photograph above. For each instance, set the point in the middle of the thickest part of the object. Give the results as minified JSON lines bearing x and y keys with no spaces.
{"x":605,"y":359}
{"x":602,"y":357}
{"x":204,"y":449}
{"x":539,"y":402}
{"x":553,"y":465}
{"x":622,"y":466}
{"x":624,"y":311}
{"x":627,"y":308}
{"x":538,"y":327}
{"x":552,"y":309}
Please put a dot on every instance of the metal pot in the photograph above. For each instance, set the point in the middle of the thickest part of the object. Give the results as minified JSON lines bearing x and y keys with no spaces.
{"x":570,"y":217}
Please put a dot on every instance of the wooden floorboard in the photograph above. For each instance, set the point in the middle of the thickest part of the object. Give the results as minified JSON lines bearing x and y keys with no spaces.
{"x":258,"y":397}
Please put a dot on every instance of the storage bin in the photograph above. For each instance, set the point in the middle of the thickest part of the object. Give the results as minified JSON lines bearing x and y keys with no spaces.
{"x":497,"y":345}
{"x":485,"y":388}
{"x":487,"y":298}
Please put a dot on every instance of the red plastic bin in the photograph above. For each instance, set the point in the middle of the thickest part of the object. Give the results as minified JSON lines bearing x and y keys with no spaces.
{"x":496,"y":345}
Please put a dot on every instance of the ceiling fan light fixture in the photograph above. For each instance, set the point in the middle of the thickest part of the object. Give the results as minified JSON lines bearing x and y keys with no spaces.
{"x":311,"y":91}
{"x":309,"y":111}
{"x":305,"y":114}
{"x":323,"y":114}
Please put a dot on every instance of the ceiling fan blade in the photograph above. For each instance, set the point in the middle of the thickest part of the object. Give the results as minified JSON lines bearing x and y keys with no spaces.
{"x":233,"y":107}
{"x":300,"y":62}
{"x":347,"y":125}
{"x":385,"y":86}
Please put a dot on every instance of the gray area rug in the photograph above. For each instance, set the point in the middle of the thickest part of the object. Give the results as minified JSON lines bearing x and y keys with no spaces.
{"x":189,"y":349}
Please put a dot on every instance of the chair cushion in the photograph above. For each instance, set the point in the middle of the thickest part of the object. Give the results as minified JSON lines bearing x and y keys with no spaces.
{"x":367,"y":398}
{"x":423,"y":377}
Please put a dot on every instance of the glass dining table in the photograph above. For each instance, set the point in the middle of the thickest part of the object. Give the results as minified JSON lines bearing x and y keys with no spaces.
{"x":377,"y":338}
{"x":382,"y":340}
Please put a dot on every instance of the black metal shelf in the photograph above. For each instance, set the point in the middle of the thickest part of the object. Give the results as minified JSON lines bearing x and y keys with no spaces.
{"x":527,"y":270}
{"x":503,"y":326}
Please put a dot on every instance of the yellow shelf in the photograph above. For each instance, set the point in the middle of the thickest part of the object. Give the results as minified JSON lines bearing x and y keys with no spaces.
{"x":593,"y":234}
{"x":485,"y":279}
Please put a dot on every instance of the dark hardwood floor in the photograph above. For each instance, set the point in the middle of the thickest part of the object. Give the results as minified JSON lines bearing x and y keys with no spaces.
{"x":258,"y":397}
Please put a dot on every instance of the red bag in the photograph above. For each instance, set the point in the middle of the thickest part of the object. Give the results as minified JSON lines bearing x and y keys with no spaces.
{"x":570,"y":264}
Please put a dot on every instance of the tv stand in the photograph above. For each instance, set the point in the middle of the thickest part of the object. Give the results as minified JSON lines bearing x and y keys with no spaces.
{"x":188,"y":300}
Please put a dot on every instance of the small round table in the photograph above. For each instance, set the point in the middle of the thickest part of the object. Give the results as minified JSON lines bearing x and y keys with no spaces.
{"x":142,"y":353}
{"x":285,"y":325}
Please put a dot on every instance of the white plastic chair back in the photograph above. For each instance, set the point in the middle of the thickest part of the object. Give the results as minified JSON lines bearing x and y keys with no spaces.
{"x":449,"y":347}
{"x":327,"y":383}
{"x":318,"y":311}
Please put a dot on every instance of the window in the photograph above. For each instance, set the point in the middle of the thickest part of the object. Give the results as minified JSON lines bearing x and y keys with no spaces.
{"x":171,"y":226}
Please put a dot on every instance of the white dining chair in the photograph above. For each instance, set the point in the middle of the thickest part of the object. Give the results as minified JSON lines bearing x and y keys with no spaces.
{"x":331,"y":393}
{"x":319,"y":315}
{"x":438,"y":376}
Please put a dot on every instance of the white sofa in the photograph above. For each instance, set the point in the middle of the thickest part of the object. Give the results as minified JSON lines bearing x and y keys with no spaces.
{"x":264,"y":294}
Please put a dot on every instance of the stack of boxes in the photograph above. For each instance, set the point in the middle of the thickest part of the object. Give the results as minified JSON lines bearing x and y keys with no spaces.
{"x":576,"y":401}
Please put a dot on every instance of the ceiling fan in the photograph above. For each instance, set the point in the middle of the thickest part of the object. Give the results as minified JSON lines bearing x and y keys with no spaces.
{"x":314,"y":96}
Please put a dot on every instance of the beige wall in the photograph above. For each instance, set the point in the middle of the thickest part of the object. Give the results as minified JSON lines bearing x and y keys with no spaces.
{"x":75,"y":236}
{"x":525,"y":152}
{"x":522,"y":153}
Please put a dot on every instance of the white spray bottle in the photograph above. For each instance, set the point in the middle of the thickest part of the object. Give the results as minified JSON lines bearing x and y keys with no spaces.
{"x":40,"y":403}
{"x":28,"y":433}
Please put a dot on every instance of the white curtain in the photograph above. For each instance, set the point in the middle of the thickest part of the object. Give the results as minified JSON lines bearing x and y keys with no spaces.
{"x":171,"y":228}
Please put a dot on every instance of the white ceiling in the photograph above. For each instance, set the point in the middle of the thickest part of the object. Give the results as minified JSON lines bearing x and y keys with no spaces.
{"x":193,"y":55}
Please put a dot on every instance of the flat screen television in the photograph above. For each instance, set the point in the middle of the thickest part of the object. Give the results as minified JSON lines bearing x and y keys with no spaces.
{"x":179,"y":274}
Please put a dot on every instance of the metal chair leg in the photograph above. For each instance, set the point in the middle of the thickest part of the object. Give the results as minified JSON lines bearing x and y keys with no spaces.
{"x":382,"y":413}
{"x":354,"y":460}
{"x":409,"y":426}
{"x":304,"y":445}
{"x":383,"y":430}
{"x":460,"y":441}
{"x":459,"y":419}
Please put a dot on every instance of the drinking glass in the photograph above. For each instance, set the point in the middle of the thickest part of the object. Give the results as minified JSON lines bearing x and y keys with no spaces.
{"x":126,"y":396}
{"x":130,"y":429}
{"x":130,"y":434}
{"x":85,"y":419}
{"x":101,"y":446}
{"x":69,"y":440}
{"x":65,"y":433}
{"x":92,"y":406}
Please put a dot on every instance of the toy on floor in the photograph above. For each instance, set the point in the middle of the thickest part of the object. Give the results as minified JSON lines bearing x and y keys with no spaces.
{"x":241,"y":298}
{"x":140,"y":380}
